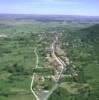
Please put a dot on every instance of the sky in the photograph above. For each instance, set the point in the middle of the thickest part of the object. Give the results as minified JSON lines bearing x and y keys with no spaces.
{"x":56,"y":7}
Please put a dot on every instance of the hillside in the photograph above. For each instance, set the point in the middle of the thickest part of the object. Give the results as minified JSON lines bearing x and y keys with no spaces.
{"x":81,"y":46}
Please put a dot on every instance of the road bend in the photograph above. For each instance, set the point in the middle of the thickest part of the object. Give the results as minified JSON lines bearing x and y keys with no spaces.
{"x":60,"y":62}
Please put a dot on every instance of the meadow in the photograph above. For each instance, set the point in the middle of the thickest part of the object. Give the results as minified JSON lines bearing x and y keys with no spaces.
{"x":18,"y":39}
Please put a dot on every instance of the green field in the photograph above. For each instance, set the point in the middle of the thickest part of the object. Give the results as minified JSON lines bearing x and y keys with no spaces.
{"x":17,"y":58}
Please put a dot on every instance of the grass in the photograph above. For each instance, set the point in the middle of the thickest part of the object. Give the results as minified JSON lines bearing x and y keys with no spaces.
{"x":19,"y":97}
{"x":70,"y":87}
{"x":17,"y":58}
{"x":92,"y":71}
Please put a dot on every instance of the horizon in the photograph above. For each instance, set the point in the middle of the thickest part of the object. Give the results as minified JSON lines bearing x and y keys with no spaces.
{"x":25,"y":14}
{"x":50,"y":7}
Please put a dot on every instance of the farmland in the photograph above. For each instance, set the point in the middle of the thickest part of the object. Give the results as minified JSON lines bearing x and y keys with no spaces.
{"x":30,"y":45}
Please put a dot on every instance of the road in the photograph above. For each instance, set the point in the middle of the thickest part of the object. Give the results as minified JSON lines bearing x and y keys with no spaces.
{"x":32,"y":82}
{"x":60,"y":62}
{"x":51,"y":91}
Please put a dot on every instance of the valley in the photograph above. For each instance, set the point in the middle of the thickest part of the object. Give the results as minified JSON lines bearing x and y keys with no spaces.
{"x":48,"y":58}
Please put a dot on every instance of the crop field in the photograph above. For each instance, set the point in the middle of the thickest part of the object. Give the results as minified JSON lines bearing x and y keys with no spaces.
{"x":78,"y":41}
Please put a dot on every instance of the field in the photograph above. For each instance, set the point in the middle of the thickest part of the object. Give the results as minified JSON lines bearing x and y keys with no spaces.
{"x":78,"y":40}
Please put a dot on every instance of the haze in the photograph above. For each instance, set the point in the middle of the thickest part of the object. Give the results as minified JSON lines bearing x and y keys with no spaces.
{"x":60,"y":7}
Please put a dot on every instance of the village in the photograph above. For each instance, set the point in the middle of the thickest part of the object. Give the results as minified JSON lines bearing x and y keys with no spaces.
{"x":46,"y":78}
